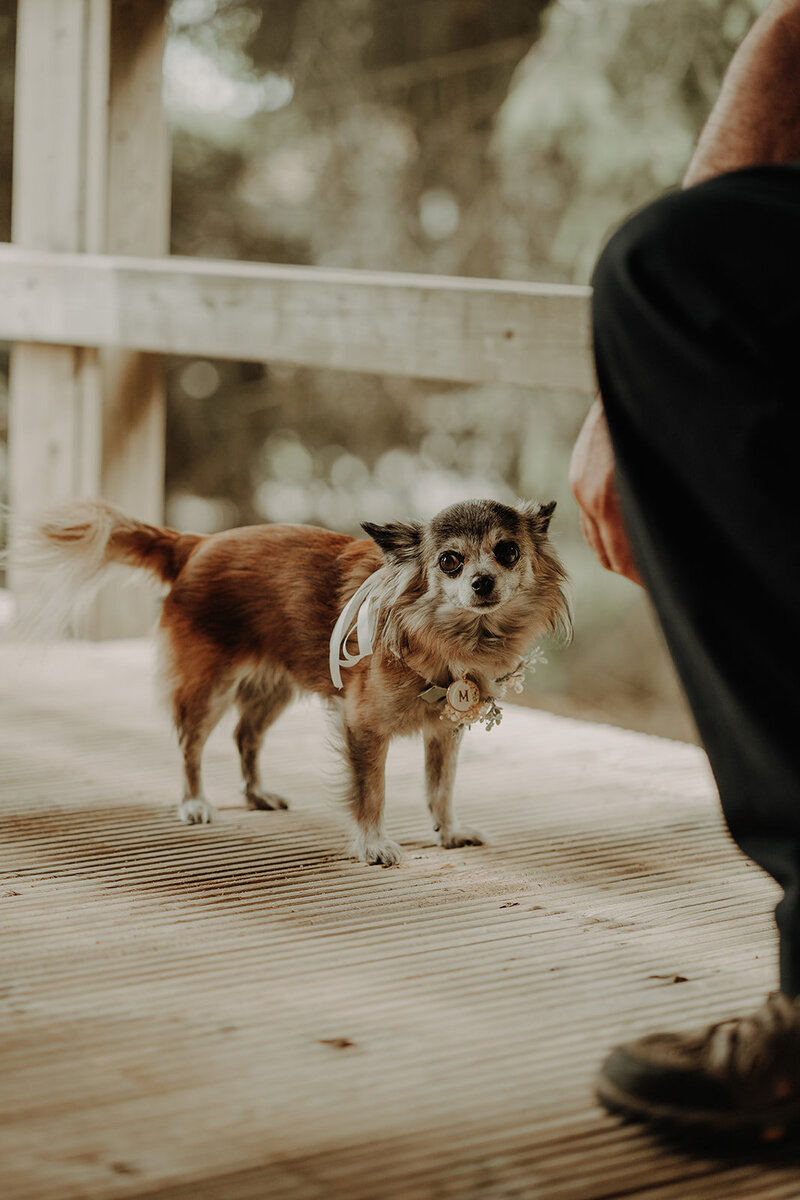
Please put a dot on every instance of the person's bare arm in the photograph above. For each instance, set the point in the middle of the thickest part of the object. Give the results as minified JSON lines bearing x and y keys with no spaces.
{"x":756,"y":120}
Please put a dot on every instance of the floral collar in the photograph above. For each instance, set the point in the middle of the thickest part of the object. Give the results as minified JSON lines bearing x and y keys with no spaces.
{"x":462,"y":703}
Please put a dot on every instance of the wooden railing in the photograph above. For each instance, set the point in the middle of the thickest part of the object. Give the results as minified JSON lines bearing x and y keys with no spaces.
{"x":89,"y":317}
{"x":434,"y":327}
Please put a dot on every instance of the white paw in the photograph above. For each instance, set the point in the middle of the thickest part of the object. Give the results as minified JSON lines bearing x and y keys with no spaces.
{"x":195,"y":810}
{"x":460,"y":836}
{"x":267,"y":801}
{"x":377,"y":851}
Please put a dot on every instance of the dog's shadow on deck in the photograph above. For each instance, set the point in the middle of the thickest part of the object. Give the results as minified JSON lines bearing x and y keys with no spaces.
{"x":156,"y":849}
{"x":294,"y":865}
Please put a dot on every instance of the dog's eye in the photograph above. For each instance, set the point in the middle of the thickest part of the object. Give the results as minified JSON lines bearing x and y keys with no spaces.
{"x":506,"y":553}
{"x":450,"y":562}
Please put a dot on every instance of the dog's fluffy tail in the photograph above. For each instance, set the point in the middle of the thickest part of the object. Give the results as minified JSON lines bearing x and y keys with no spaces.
{"x":76,"y":545}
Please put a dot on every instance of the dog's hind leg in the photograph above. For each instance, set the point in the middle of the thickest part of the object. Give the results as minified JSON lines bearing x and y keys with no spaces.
{"x":197,"y":710}
{"x":260,"y":700}
{"x":441,"y":754}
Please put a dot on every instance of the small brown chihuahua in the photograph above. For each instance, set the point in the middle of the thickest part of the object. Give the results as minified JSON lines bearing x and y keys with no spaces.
{"x":418,"y":627}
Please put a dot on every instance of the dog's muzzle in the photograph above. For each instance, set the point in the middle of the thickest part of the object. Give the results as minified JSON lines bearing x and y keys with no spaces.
{"x":483,"y":586}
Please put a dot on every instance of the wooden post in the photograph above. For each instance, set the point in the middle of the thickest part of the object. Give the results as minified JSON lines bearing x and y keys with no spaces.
{"x":137,"y":222}
{"x":58,"y":185}
{"x":91,"y":174}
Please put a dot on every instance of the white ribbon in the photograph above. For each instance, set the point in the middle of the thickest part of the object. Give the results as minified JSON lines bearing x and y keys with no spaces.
{"x":358,"y":616}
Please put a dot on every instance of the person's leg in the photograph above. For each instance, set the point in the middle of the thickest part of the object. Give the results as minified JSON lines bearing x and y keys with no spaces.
{"x":697,"y":344}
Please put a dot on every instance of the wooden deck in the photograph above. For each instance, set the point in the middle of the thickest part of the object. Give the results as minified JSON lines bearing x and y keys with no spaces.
{"x":238,"y":1012}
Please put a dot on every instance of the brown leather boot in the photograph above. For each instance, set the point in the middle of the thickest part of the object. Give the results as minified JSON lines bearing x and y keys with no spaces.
{"x":739,"y":1074}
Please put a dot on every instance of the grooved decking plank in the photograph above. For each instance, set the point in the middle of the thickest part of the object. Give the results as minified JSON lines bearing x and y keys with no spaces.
{"x":239,"y":1011}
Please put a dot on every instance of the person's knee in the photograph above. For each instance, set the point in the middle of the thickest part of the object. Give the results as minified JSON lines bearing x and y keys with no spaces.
{"x":647,"y":244}
{"x":676,"y":252}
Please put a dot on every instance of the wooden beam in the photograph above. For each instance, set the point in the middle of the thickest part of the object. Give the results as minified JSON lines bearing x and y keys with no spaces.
{"x":469,"y":330}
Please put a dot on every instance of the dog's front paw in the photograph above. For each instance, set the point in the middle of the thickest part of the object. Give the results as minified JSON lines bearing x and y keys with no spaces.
{"x":460,"y":836}
{"x":381,"y":852}
{"x":265,"y":801}
{"x":195,"y":810}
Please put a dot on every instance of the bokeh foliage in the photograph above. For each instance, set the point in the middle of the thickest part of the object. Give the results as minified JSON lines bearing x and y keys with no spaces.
{"x":446,"y":136}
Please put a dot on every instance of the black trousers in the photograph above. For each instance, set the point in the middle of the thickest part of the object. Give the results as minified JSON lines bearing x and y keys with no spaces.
{"x":697,"y":342}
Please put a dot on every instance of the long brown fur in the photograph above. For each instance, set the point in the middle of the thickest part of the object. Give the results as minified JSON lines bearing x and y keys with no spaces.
{"x":249,"y":614}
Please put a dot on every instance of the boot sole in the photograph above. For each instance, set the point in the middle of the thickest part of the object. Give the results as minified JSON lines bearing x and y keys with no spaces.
{"x":768,"y":1124}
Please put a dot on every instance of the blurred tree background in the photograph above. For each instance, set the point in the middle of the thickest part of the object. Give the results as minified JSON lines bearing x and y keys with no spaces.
{"x":451,"y":136}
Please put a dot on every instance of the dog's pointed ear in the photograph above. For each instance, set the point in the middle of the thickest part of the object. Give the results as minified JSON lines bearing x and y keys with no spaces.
{"x":397,"y":540}
{"x":538,"y":516}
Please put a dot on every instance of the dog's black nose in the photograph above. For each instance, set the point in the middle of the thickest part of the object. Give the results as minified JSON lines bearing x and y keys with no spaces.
{"x":483,"y":585}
